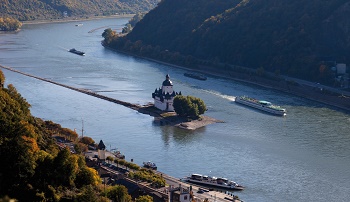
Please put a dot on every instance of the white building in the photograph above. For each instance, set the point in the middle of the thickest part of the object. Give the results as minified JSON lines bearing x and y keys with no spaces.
{"x":179,"y":194}
{"x":164,"y":97}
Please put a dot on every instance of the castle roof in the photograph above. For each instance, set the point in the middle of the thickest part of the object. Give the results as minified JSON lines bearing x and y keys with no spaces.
{"x":167,"y":81}
{"x":101,"y":145}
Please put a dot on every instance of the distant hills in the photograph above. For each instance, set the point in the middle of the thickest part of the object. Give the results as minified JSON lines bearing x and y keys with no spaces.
{"x":295,"y":37}
{"x":24,"y":10}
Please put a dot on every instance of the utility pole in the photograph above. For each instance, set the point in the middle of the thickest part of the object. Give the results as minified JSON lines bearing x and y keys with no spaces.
{"x":82,"y":128}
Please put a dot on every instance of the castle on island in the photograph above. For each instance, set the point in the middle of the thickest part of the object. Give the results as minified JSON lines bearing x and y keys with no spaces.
{"x":164,"y":97}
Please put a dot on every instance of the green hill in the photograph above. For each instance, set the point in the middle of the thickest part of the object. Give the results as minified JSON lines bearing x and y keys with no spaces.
{"x":33,"y":168}
{"x":292,"y":37}
{"x":54,"y":9}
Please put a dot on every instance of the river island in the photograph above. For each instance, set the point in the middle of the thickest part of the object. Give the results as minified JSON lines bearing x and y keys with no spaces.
{"x":161,"y":116}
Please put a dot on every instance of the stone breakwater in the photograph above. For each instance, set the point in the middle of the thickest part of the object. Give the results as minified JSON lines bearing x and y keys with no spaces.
{"x":88,"y":92}
{"x":167,"y":118}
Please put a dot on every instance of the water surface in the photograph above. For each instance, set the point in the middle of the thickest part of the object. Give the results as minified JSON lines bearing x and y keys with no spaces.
{"x":303,"y":156}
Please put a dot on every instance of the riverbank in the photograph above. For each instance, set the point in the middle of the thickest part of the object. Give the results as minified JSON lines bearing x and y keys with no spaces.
{"x":75,"y":19}
{"x":111,"y":170}
{"x":326,"y":95}
{"x":309,"y":90}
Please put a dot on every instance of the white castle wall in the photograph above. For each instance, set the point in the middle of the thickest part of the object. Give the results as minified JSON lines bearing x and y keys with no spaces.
{"x":167,"y":104}
{"x":163,"y":105}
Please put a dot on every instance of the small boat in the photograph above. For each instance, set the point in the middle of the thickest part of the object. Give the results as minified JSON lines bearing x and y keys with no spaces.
{"x":196,"y":76}
{"x":73,"y":50}
{"x":80,"y":24}
{"x":117,"y":154}
{"x":261,"y":105}
{"x":150,"y":165}
{"x":218,"y":182}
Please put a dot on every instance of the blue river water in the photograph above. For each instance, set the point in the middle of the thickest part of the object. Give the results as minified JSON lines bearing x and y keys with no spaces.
{"x":303,"y":156}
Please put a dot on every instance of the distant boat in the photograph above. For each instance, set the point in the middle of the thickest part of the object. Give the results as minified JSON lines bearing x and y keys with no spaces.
{"x":80,"y":24}
{"x":262,"y":105}
{"x":73,"y":50}
{"x":196,"y":76}
{"x":118,"y":154}
{"x":150,"y":165}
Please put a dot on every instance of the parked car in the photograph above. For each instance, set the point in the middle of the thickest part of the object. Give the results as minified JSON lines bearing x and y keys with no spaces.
{"x":200,"y":191}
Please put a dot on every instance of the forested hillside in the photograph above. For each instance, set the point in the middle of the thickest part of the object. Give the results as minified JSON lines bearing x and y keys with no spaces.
{"x":54,"y":9}
{"x":33,"y":168}
{"x":293,"y":37}
{"x":38,"y":162}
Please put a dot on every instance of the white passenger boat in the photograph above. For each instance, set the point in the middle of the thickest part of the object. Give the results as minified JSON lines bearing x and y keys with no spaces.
{"x":218,"y":182}
{"x":262,"y":105}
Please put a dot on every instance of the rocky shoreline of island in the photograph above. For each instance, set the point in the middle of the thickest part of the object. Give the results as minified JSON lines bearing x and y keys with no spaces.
{"x":172,"y":119}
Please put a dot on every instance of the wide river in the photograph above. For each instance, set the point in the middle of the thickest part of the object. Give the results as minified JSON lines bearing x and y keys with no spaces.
{"x":304,"y":156}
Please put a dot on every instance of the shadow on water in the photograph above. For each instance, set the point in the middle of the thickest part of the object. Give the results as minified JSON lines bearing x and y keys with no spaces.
{"x":180,"y":136}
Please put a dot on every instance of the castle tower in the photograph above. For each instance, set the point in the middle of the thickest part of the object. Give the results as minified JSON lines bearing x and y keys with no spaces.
{"x":167,"y":86}
{"x":164,"y":97}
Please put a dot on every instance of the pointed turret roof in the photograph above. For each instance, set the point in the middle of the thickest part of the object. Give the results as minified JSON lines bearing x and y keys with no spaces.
{"x":101,"y":145}
{"x":167,"y":81}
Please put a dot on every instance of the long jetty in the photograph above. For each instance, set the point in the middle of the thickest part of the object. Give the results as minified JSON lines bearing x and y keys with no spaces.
{"x":88,"y":92}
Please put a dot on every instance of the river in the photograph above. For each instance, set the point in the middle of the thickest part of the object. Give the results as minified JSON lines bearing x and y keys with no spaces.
{"x":302,"y":156}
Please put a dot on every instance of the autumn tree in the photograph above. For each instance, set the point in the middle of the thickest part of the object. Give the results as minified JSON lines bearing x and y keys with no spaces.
{"x":119,"y":193}
{"x":87,"y":176}
{"x":9,"y":24}
{"x":109,"y":158}
{"x":148,"y":175}
{"x":2,"y":79}
{"x":87,"y":140}
{"x":88,"y":195}
{"x":145,"y":198}
{"x":109,"y":35}
{"x":18,"y":141}
{"x":80,"y":148}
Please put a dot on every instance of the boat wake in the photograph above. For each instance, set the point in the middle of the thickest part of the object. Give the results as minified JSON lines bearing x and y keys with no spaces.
{"x":227,"y":97}
{"x":63,"y":48}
